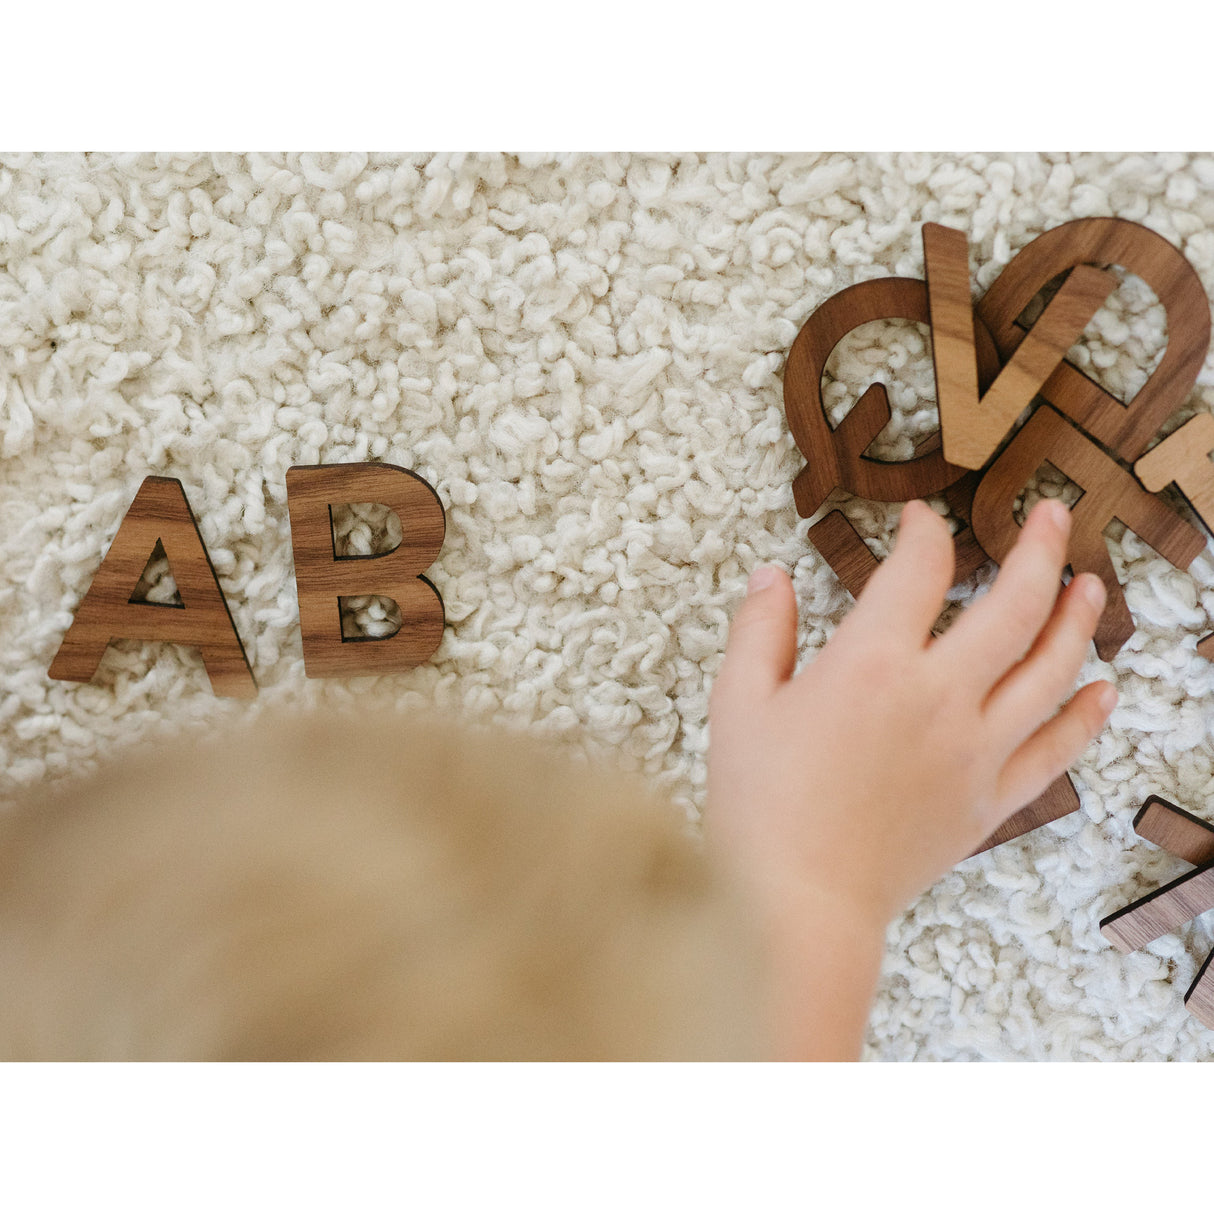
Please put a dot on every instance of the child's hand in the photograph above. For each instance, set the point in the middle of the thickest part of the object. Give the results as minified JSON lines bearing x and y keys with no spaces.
{"x":894,"y":753}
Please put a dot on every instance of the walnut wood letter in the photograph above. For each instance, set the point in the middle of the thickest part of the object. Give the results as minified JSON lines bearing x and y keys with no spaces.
{"x":1109,"y":492}
{"x":1125,"y":429}
{"x":323,"y":578}
{"x":159,"y":512}
{"x":1180,"y":832}
{"x":837,"y":457}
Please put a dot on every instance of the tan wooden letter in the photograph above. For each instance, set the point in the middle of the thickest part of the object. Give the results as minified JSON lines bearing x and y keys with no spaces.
{"x":1184,"y":457}
{"x":973,"y":427}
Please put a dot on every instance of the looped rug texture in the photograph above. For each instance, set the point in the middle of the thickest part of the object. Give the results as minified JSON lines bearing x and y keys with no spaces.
{"x":584,"y":356}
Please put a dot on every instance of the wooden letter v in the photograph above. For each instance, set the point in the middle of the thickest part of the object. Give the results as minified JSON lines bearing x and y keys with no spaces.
{"x":973,"y":425}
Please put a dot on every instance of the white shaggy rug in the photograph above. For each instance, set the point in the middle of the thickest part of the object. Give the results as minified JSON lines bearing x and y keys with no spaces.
{"x":583,"y":354}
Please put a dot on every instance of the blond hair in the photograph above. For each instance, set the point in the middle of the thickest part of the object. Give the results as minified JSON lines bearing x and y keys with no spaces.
{"x":321,"y":887}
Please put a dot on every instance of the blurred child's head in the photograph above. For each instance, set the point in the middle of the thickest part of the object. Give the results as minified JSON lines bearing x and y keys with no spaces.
{"x":331,"y":887}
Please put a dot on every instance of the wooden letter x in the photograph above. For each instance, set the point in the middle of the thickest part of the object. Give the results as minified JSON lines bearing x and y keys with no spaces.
{"x":1173,"y":905}
{"x":972,"y":427}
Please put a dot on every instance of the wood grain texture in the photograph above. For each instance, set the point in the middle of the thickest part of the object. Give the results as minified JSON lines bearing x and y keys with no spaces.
{"x":1185,"y":835}
{"x":845,"y":551}
{"x":1183,"y":459}
{"x":1058,"y":800}
{"x":973,"y":426}
{"x":159,"y":513}
{"x":1175,"y":830}
{"x":1124,"y":428}
{"x":1109,"y":493}
{"x":951,"y":309}
{"x":853,"y":563}
{"x":836,"y":457}
{"x":1199,"y":999}
{"x":1170,"y":907}
{"x":323,"y":578}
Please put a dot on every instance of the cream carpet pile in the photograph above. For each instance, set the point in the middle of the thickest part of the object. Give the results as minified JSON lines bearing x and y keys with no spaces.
{"x":583,"y":355}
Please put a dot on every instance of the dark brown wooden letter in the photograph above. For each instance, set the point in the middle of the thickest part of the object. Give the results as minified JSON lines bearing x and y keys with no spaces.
{"x":323,"y":578}
{"x":161,"y":513}
{"x":1109,"y":493}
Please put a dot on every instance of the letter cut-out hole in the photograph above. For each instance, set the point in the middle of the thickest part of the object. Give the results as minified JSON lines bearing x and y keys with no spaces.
{"x":366,"y":529}
{"x":156,"y":583}
{"x":896,"y":353}
{"x":1047,"y":482}
{"x":1123,"y":344}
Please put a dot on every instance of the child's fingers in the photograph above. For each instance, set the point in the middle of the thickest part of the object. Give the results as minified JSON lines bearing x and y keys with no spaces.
{"x":905,"y":595}
{"x":998,"y":630}
{"x":761,"y":650}
{"x":1033,"y":689}
{"x":1052,"y":749}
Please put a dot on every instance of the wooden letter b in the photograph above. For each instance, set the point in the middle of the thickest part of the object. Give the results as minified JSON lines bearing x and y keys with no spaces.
{"x":323,"y":578}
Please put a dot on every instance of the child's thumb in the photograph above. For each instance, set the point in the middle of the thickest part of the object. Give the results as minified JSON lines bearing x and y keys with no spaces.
{"x":761,"y":652}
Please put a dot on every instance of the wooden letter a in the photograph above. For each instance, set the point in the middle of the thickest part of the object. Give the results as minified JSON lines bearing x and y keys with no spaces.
{"x":322,"y":578}
{"x":159,"y":512}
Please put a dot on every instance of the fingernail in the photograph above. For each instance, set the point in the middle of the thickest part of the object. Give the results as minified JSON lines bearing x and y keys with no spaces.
{"x":761,"y":579}
{"x":1108,"y":698}
{"x":1092,"y":589}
